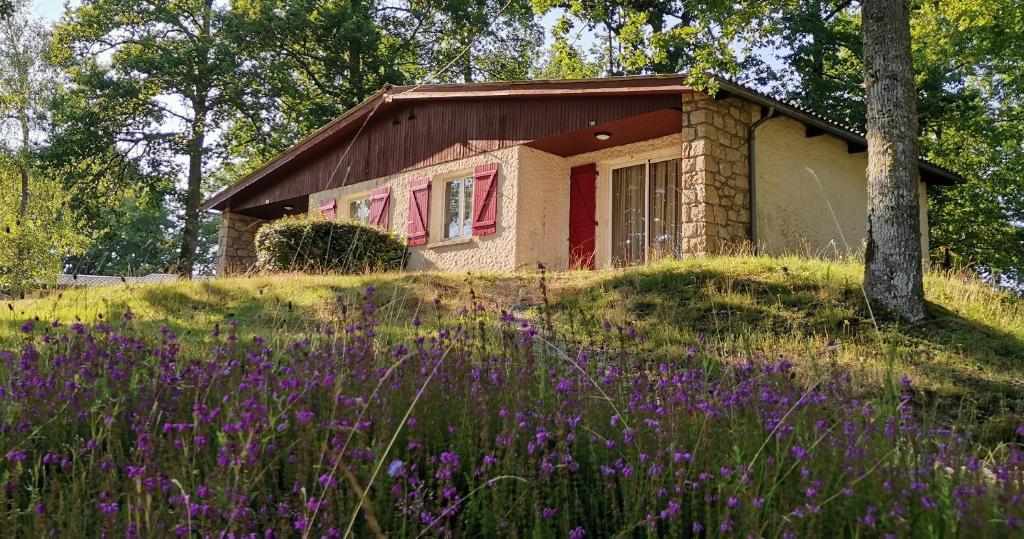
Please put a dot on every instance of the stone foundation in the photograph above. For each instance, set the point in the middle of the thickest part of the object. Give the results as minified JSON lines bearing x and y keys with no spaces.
{"x":236,"y":243}
{"x":716,"y":173}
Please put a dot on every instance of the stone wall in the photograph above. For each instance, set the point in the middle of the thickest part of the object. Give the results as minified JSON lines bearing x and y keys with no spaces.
{"x":236,"y":243}
{"x":716,"y":173}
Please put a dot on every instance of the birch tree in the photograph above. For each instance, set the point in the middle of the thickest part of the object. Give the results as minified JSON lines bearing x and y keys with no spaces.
{"x":37,"y":228}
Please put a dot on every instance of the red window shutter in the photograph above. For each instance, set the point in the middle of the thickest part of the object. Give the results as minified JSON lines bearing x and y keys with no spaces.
{"x":485,"y":199}
{"x":328,"y":208}
{"x":380,"y":202}
{"x":419,"y":205}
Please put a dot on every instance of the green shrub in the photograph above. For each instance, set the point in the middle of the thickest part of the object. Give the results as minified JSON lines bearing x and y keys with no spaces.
{"x":308,"y":244}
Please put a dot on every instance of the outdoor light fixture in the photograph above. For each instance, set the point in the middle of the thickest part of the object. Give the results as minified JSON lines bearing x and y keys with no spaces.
{"x":288,"y":207}
{"x":602,"y":135}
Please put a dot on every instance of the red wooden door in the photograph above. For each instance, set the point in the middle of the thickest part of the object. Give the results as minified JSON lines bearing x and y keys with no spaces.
{"x":582,"y":221}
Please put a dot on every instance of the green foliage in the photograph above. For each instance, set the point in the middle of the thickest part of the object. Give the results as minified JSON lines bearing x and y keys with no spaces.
{"x":33,"y":245}
{"x":969,"y":57}
{"x":301,"y":243}
{"x":643,"y":36}
{"x":161,"y":74}
{"x":303,"y":63}
{"x":38,"y":226}
{"x":564,"y":59}
{"x":120,"y":196}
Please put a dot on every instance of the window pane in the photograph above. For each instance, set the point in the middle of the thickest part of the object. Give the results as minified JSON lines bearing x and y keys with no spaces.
{"x":359,"y":210}
{"x":467,"y":207}
{"x":628,"y":223}
{"x":665,"y":209}
{"x":458,"y":208}
{"x":452,"y":190}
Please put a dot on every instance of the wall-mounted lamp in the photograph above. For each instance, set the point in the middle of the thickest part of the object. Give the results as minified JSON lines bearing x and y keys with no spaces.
{"x":288,"y":207}
{"x":602,"y":135}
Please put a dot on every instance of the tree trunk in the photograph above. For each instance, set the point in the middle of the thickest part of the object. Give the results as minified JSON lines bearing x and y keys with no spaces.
{"x":196,"y":148}
{"x":24,"y":162}
{"x":193,"y":196}
{"x":893,"y":270}
{"x":467,"y":65}
{"x":20,"y":284}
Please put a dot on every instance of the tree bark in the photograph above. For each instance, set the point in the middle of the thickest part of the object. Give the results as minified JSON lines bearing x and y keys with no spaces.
{"x":23,"y":160}
{"x":196,"y":150}
{"x":893,"y":268}
{"x":193,"y":196}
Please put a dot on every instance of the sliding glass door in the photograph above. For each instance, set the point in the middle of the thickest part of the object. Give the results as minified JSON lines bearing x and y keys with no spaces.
{"x":629,"y":233}
{"x":646,"y":212}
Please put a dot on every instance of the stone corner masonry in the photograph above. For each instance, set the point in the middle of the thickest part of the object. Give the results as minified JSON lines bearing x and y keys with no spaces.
{"x":716,"y":182}
{"x":236,"y":243}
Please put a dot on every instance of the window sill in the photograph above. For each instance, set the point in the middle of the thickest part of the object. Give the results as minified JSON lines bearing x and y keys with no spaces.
{"x":451,"y":243}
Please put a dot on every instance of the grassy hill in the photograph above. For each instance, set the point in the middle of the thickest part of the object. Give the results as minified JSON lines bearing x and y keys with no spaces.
{"x":752,"y":396}
{"x":969,"y":352}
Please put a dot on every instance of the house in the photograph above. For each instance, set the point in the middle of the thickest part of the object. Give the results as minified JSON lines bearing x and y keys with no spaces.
{"x":570,"y":173}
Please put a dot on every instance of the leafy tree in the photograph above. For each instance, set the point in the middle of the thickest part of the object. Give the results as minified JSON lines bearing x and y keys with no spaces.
{"x":564,"y":59}
{"x":472,"y":40}
{"x":122,"y":189}
{"x":37,"y":226}
{"x":33,"y":242}
{"x":165,"y":67}
{"x":303,"y":63}
{"x":973,"y":50}
{"x":24,"y":83}
{"x":652,"y":36}
{"x":818,"y":53}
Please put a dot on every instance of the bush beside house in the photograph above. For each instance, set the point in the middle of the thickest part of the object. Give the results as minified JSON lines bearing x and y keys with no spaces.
{"x":302,"y":243}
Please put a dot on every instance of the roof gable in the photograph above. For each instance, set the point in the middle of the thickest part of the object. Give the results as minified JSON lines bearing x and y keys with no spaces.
{"x":390,"y":130}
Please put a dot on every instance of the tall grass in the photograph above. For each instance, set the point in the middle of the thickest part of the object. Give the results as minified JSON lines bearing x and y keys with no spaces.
{"x":486,"y":424}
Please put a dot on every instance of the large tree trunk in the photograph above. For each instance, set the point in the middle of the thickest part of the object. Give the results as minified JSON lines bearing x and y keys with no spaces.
{"x":193,"y":196}
{"x":893,"y":270}
{"x":196,"y":149}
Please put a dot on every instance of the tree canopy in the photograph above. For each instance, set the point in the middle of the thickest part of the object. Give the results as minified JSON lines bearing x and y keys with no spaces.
{"x":156,"y":104}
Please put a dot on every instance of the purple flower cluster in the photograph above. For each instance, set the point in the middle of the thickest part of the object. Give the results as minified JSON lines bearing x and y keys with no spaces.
{"x":483,"y":426}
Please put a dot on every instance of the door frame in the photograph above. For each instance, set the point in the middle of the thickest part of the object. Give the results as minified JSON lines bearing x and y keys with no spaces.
{"x":605,"y":170}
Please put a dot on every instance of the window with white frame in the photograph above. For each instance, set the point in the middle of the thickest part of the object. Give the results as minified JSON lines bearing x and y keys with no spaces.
{"x":458,"y":208}
{"x":359,"y":208}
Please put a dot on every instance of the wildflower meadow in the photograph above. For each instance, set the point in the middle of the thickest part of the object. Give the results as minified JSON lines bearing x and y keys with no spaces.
{"x":488,"y":424}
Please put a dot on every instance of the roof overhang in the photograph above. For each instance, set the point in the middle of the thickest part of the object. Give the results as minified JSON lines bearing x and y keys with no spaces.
{"x":355,"y":118}
{"x":930,"y":172}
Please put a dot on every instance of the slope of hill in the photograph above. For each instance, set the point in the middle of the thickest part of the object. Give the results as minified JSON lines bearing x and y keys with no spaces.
{"x":754,"y":396}
{"x":970,"y":351}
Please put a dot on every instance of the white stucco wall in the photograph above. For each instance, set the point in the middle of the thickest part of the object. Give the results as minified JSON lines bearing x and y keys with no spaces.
{"x":543,"y":220}
{"x":494,"y":252}
{"x":812,"y":193}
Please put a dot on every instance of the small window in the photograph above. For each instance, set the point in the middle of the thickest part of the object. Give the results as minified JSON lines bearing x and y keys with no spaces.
{"x":359,"y":209}
{"x":458,"y":208}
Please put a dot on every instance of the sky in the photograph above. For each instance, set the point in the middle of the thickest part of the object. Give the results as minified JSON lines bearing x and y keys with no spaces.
{"x":48,"y":9}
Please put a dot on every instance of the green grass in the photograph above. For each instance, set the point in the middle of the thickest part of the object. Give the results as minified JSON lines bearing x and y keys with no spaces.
{"x":968,"y":353}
